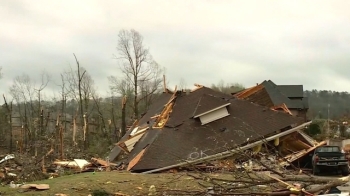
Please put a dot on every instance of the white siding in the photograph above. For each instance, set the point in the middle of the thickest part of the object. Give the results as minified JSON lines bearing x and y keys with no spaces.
{"x":130,"y":143}
{"x":214,"y":115}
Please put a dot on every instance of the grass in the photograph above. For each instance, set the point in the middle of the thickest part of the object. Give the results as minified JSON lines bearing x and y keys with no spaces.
{"x":101,"y":183}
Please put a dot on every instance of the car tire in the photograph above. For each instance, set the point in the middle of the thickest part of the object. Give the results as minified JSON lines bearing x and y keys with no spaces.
{"x":316,"y":170}
{"x":345,"y":171}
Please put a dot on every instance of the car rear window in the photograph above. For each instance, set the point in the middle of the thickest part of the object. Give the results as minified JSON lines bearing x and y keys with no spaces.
{"x":328,"y":149}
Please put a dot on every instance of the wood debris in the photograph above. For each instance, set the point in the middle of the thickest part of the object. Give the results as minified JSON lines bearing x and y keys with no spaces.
{"x":36,"y":186}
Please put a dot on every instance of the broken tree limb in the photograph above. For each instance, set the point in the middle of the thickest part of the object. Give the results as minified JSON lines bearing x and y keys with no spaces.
{"x":278,"y":193}
{"x":270,"y":169}
{"x":330,"y":184}
{"x":289,"y":185}
{"x":289,"y":178}
{"x":47,"y":154}
{"x":230,"y":152}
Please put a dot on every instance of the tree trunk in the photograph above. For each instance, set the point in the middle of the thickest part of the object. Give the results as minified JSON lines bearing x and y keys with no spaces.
{"x":80,"y":96}
{"x":136,"y":107}
{"x":9,"y":110}
{"x":123,"y":125}
{"x":86,"y":122}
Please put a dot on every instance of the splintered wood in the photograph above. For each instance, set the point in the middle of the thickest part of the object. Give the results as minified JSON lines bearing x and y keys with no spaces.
{"x":198,"y":86}
{"x":85,"y":127}
{"x":135,"y":160}
{"x":164,"y":115}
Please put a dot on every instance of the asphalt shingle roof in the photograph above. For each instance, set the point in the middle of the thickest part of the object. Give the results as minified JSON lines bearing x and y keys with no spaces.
{"x":291,"y":90}
{"x":279,"y":98}
{"x":184,"y":138}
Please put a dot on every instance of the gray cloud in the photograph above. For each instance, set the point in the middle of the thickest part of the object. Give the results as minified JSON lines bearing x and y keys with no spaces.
{"x":298,"y":42}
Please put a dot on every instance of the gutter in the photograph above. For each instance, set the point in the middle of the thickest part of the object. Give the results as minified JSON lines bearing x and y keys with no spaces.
{"x":230,"y":152}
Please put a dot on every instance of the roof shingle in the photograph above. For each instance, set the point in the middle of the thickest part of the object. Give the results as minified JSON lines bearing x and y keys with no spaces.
{"x":184,"y":138}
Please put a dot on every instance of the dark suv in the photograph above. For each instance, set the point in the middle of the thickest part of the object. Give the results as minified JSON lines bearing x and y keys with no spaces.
{"x":329,"y":157}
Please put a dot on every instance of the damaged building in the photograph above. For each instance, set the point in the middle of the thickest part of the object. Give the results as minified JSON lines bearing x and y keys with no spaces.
{"x":288,"y":98}
{"x":192,"y":127}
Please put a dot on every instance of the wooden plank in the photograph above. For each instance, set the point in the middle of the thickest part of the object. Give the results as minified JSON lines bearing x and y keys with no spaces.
{"x":250,"y":91}
{"x":136,"y":159}
{"x":300,"y":154}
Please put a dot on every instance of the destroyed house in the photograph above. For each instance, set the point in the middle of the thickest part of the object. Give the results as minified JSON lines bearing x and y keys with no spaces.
{"x":288,"y":98}
{"x":201,"y":124}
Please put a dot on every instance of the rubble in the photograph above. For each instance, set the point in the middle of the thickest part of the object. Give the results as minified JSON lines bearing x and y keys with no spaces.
{"x":76,"y":163}
{"x":7,"y":157}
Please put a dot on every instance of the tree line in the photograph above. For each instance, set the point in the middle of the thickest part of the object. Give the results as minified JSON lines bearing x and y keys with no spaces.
{"x":79,"y":119}
{"x":325,"y":104}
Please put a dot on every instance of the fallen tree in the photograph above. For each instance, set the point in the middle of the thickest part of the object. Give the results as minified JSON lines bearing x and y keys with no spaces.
{"x":288,"y":185}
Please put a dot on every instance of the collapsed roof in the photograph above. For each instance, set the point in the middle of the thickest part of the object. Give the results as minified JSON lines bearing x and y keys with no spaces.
{"x":186,"y":126}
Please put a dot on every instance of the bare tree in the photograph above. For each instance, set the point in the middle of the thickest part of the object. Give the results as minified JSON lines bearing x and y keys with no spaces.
{"x":125,"y":88}
{"x":23,"y":93}
{"x":80,"y":87}
{"x":137,"y":64}
{"x":45,"y":79}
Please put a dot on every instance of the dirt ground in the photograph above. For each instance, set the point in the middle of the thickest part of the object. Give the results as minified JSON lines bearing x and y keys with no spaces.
{"x":111,"y":182}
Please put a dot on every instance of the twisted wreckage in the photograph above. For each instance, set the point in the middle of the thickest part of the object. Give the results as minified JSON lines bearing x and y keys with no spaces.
{"x":192,"y":127}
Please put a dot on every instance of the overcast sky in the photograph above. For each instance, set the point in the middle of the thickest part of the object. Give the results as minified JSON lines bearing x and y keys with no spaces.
{"x":289,"y":42}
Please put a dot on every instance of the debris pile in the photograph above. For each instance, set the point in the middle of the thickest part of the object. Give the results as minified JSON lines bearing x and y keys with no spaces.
{"x":19,"y":168}
{"x":59,"y":167}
